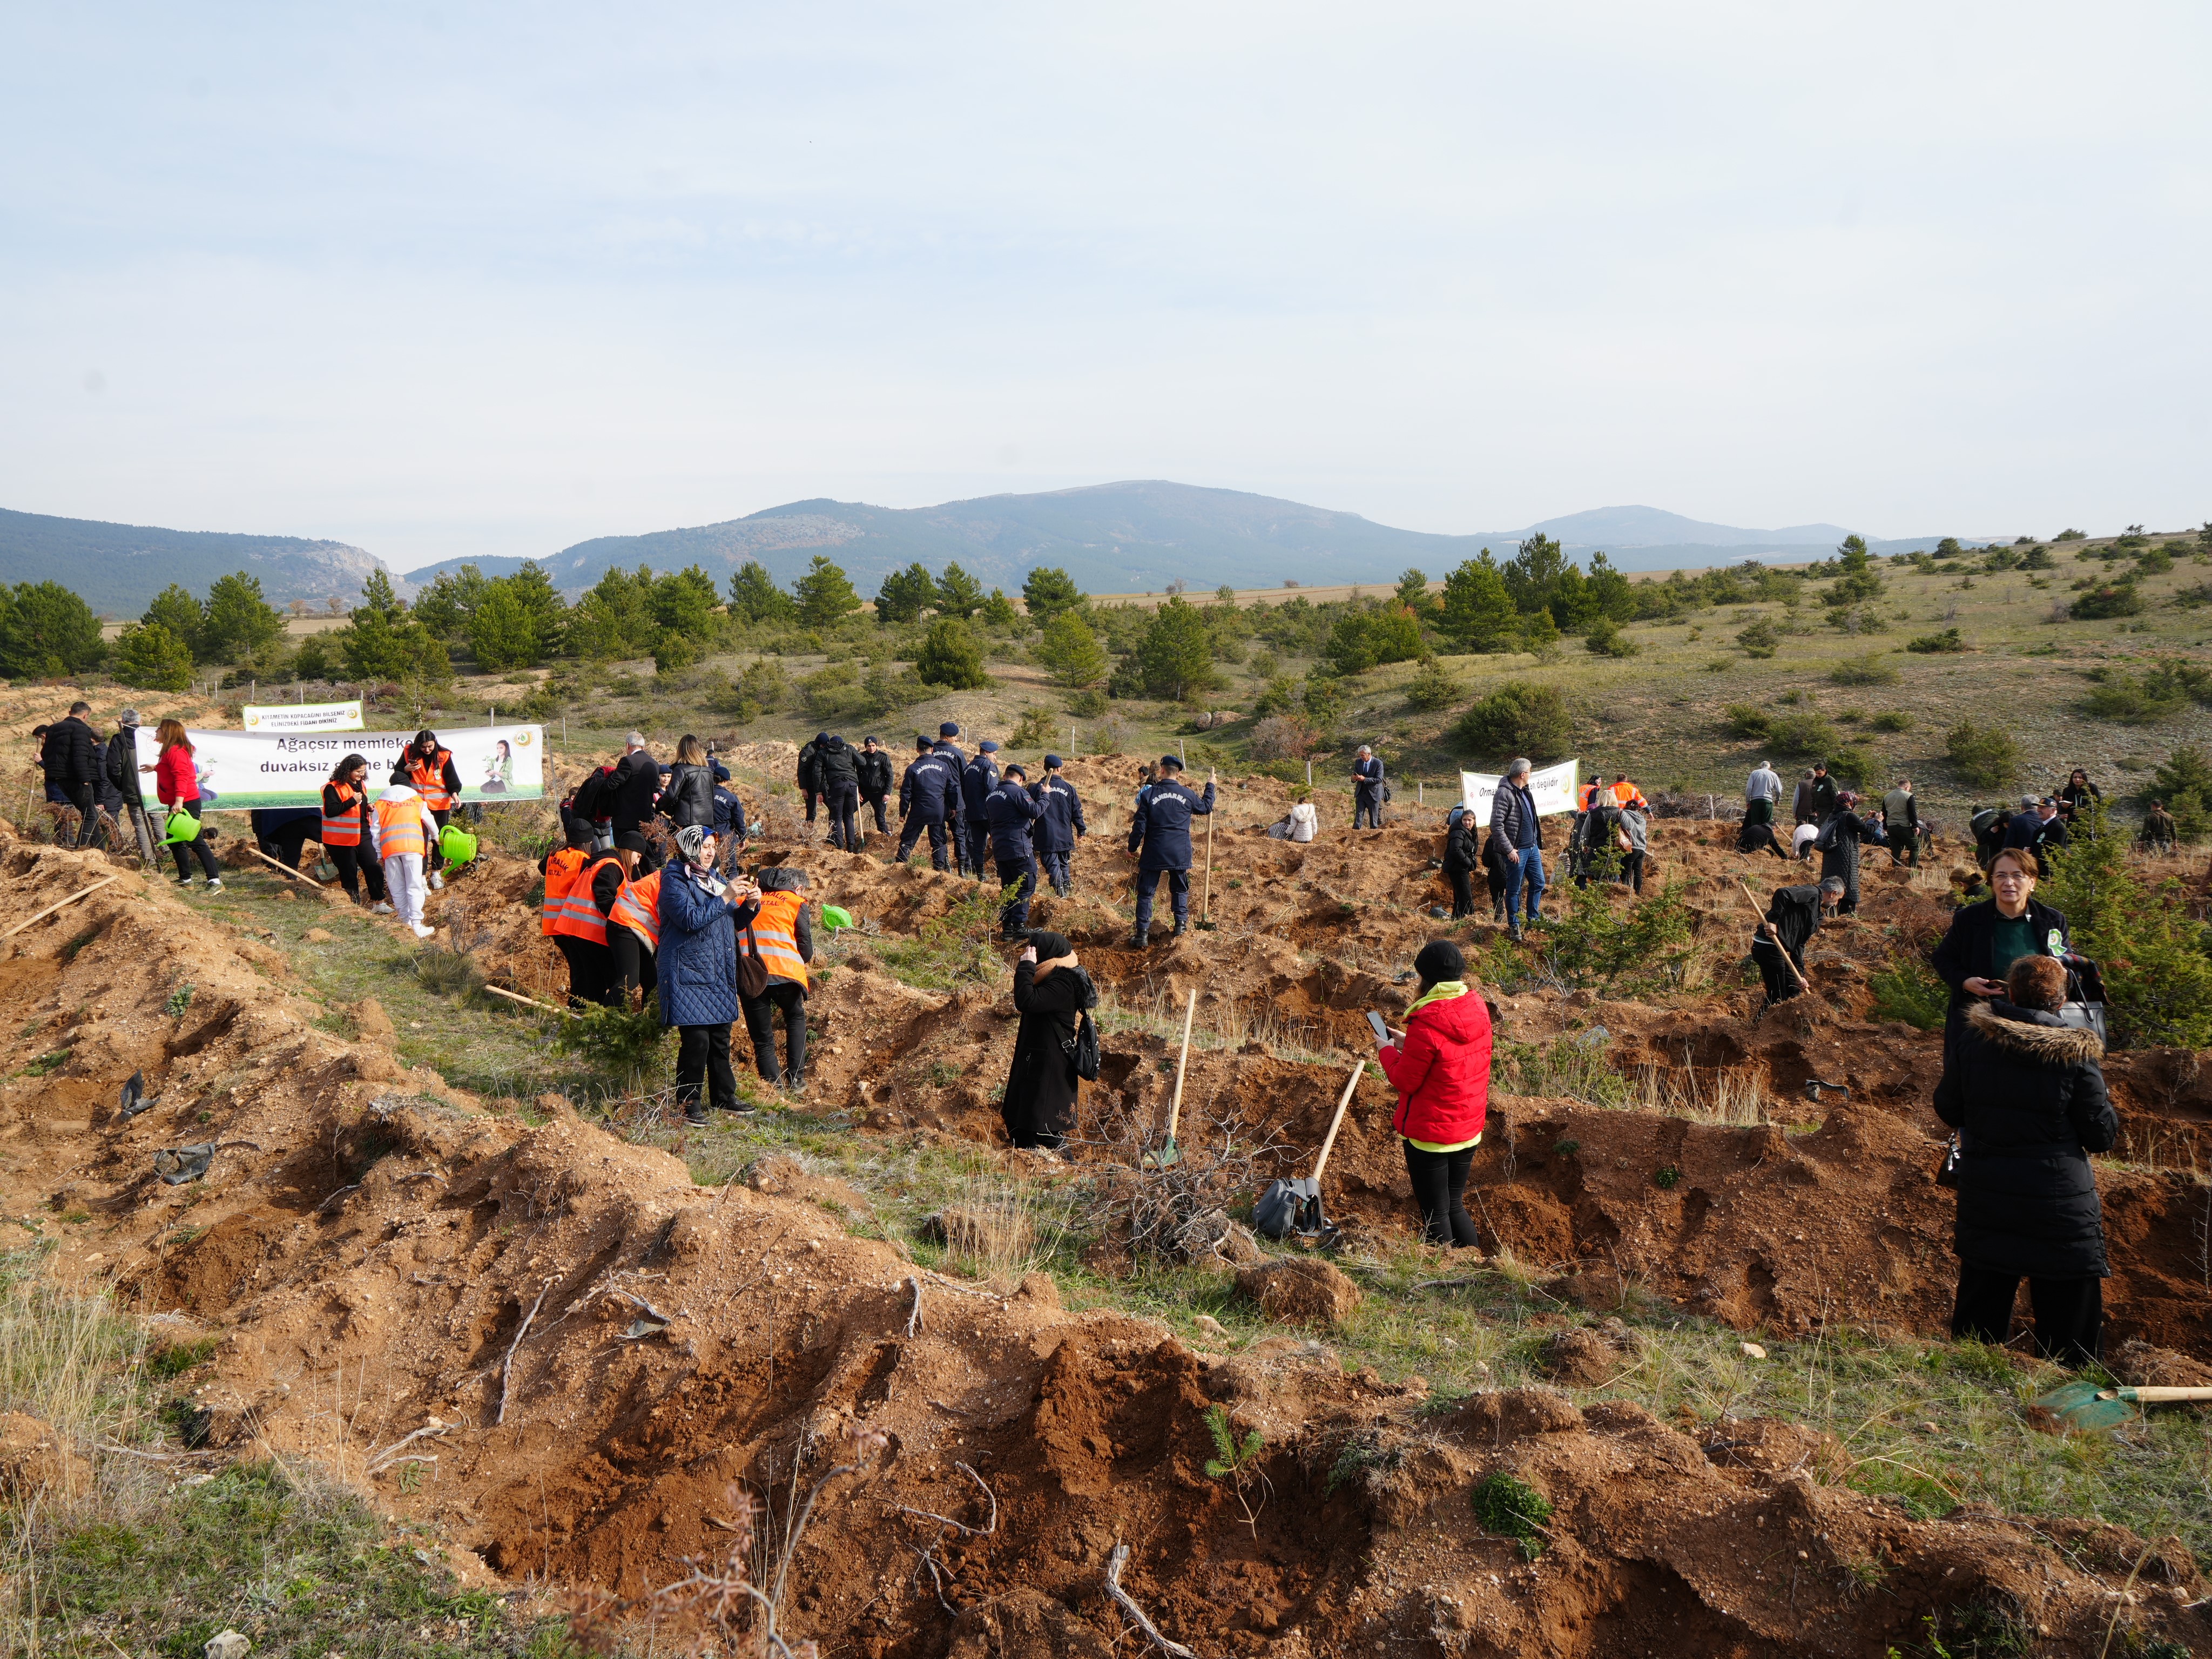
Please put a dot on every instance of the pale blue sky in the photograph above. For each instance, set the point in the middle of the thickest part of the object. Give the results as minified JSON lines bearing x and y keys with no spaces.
{"x":446,"y":280}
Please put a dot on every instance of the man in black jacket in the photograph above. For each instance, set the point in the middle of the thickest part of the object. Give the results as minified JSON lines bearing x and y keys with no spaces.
{"x":628,"y":799}
{"x":810,"y":771}
{"x":1824,"y":793}
{"x":875,"y":765}
{"x":977,"y":780}
{"x":838,"y":764}
{"x":71,"y":757}
{"x":1012,"y":812}
{"x":1159,"y":840}
{"x":1518,"y":835}
{"x":928,"y":792}
{"x":1366,"y":790}
{"x":1793,"y":916}
{"x":122,"y":769}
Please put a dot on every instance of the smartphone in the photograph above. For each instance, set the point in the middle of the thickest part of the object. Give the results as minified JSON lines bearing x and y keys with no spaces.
{"x":1381,"y":1031}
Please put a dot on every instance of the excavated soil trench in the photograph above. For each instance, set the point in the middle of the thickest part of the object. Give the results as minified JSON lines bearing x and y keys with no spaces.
{"x":375,"y":1250}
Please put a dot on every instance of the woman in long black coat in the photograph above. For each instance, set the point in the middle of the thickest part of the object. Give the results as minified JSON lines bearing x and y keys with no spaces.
{"x":1050,"y":995}
{"x":1461,"y":856}
{"x":2026,"y":1094}
{"x":1839,"y":840}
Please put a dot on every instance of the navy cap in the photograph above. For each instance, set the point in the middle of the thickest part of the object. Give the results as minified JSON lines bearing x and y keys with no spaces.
{"x":987,"y":747}
{"x":1016,"y":770}
{"x":1175,"y":761}
{"x":920,"y":741}
{"x":1051,"y":761}
{"x":950,"y":729}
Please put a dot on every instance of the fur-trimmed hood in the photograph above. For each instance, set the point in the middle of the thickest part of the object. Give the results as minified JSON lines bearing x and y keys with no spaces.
{"x":2025,"y":1034}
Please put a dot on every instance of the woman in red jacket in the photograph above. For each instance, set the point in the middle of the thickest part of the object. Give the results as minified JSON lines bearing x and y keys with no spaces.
{"x":1440,"y":1066}
{"x":178,"y":783}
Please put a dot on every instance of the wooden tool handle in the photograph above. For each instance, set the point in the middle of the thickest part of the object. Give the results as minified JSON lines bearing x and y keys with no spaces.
{"x":1175,"y":1108}
{"x":1337,"y":1122}
{"x":285,"y":869}
{"x":2161,"y":1396}
{"x":82,"y":893}
{"x":1767,"y":928}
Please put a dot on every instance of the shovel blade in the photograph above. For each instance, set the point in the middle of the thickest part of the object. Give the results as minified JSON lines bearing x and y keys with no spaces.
{"x":1167,"y":1155}
{"x":2083,"y":1408}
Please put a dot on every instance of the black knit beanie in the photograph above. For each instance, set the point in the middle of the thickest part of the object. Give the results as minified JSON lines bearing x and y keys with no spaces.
{"x":1440,"y":960}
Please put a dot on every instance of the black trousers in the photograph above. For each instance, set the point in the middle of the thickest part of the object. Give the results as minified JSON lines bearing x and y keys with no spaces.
{"x":81,"y":797}
{"x":1774,"y":969}
{"x":844,"y":810}
{"x":1439,"y":1187}
{"x":1148,"y":887}
{"x":703,"y":1062}
{"x":1462,"y":883}
{"x":630,"y":962}
{"x":911,"y":832}
{"x":883,"y":824}
{"x":979,"y":846}
{"x":590,"y":966}
{"x":356,"y":864}
{"x":1631,"y":871}
{"x":2069,"y":1313}
{"x":813,"y":795}
{"x":781,"y":996}
{"x":286,"y":846}
{"x":1019,"y":874}
{"x":1056,"y":872}
{"x":197,"y":844}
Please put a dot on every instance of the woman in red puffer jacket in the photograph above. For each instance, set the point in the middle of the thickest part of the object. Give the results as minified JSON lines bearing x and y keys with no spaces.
{"x":1441,"y":1070}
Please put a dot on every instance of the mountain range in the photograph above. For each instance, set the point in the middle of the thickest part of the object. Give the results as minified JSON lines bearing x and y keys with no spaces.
{"x":1140,"y":536}
{"x":1132,"y":536}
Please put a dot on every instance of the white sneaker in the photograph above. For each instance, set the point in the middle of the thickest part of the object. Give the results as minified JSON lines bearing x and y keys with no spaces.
{"x":437,"y":881}
{"x":420,"y":931}
{"x":380,"y":909}
{"x":215,"y":886}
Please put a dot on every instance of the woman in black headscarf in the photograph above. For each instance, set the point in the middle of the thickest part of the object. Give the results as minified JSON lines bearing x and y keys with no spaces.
{"x":1051,"y":993}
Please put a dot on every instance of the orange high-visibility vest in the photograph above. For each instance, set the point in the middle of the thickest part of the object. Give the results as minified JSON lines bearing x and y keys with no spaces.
{"x":345,"y":830}
{"x":560,"y":875}
{"x":1623,"y":793}
{"x":637,"y":907}
{"x":1589,"y":795}
{"x":576,"y":916}
{"x":428,"y":780}
{"x":399,"y":828}
{"x":774,"y":931}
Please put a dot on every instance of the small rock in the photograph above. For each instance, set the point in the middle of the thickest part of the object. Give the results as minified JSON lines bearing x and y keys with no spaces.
{"x":318,"y":936}
{"x":227,"y":1645}
{"x":1301,"y":1291}
{"x":371,"y":1021}
{"x":1209,"y":1326}
{"x":1753,"y":1350}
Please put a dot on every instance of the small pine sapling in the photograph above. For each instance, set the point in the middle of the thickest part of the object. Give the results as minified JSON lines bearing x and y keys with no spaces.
{"x":1237,"y":1463}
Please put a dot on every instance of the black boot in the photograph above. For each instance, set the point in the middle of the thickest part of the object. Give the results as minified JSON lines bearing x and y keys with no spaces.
{"x":1138,"y":939}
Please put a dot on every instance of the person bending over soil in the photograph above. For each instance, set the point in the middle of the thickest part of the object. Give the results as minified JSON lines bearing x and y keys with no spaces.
{"x":1440,"y":1066}
{"x":2026,"y":1094}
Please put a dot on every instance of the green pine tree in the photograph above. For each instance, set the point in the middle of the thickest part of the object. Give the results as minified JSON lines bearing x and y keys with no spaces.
{"x":1072,"y":652}
{"x":825,"y":596}
{"x":2150,"y":950}
{"x":755,"y":598}
{"x":503,"y":633}
{"x":1048,"y":591}
{"x":45,"y":629}
{"x":951,"y":656}
{"x":149,"y":657}
{"x":905,"y":594}
{"x":1478,"y":610}
{"x":958,"y":594}
{"x":240,"y":624}
{"x":1174,"y":658}
{"x":179,"y":612}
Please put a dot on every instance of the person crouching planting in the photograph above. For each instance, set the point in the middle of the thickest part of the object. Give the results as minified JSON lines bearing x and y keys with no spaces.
{"x":1440,"y":1066}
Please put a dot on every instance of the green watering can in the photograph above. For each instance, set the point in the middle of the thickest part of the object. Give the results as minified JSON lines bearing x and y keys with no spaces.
{"x":835,"y":917}
{"x":179,"y":828}
{"x":456,"y":845}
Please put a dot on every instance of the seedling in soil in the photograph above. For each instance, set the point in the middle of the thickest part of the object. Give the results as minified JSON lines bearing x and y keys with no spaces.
{"x":1666,"y":1177}
{"x":179,"y":999}
{"x":1236,"y":1461}
{"x":1567,"y":1148}
{"x":1511,"y":1507}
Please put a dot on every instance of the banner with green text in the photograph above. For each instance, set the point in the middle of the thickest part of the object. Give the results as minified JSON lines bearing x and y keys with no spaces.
{"x":243,"y":769}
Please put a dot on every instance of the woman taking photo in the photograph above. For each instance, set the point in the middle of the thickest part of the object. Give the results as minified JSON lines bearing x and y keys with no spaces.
{"x":1986,"y":939}
{"x":698,"y":971}
{"x":177,"y":784}
{"x":1051,"y":995}
{"x":345,"y":829}
{"x":2026,"y":1094}
{"x":1440,"y":1066}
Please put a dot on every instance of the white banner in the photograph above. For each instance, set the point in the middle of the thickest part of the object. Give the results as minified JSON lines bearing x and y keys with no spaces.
{"x":304,"y":717}
{"x":1552,"y":787}
{"x":242,"y":769}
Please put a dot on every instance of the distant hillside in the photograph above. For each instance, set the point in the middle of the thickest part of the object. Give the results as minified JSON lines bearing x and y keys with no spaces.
{"x":118,"y":568}
{"x":1132,"y":536}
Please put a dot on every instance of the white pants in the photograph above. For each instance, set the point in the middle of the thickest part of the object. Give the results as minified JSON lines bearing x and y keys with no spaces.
{"x":403,"y":882}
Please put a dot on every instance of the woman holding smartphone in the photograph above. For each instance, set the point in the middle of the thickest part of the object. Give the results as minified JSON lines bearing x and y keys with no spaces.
{"x":1051,"y":995}
{"x":1440,"y":1066}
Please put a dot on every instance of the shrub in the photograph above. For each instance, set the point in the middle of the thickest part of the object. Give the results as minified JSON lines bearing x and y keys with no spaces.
{"x":1934,"y":644}
{"x":1037,"y":728}
{"x":1511,"y":1507}
{"x":1745,"y":720}
{"x":1986,"y":755}
{"x":1519,"y":718}
{"x":1088,"y":703}
{"x":1891,"y":719}
{"x":1109,"y":736}
{"x":2111,"y":599}
{"x":1432,"y":687}
{"x":1868,"y":671}
{"x":2157,"y":972}
{"x":2185,"y":779}
{"x":1278,"y":695}
{"x":1855,"y":765}
{"x":1801,"y":734}
{"x":951,"y":656}
{"x":1283,"y":737}
{"x":1760,"y":639}
{"x":2136,"y":702}
{"x":1605,"y":639}
{"x":1073,"y":653}
{"x":1910,"y":990}
{"x":1642,"y":947}
{"x":149,"y":657}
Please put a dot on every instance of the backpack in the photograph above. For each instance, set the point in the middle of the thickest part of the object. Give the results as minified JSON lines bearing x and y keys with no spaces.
{"x":1083,"y":1047}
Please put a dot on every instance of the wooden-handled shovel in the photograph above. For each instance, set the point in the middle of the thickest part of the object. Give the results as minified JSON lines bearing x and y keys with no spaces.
{"x":1767,"y":929}
{"x":1294,"y":1206}
{"x":1172,"y":1153}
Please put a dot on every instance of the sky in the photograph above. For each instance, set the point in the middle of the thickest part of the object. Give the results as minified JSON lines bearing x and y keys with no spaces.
{"x":454,"y":281}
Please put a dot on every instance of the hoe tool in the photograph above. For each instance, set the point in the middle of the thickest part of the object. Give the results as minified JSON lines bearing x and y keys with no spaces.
{"x":1294,"y":1206}
{"x":1172,"y":1153}
{"x":1767,"y":932}
{"x":2081,"y":1405}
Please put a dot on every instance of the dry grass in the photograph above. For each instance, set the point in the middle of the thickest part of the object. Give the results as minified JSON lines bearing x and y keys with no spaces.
{"x":1735,"y":1098}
